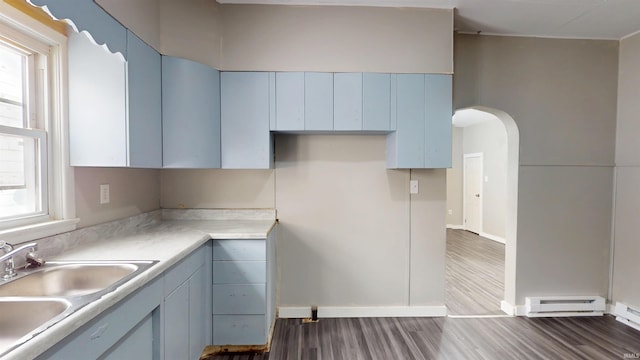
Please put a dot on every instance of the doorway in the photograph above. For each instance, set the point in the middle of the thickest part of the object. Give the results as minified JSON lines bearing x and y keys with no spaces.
{"x":482,"y":216}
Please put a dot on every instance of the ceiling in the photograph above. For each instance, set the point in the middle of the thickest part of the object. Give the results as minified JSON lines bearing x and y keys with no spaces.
{"x":582,"y":19}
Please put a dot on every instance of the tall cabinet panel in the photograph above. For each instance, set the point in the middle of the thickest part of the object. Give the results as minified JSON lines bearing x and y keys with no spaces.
{"x":347,"y":101}
{"x":289,"y":101}
{"x":376,"y":102}
{"x":318,"y":101}
{"x":406,"y":144}
{"x":246,"y":102}
{"x":438,"y":92}
{"x":190,"y":114}
{"x":145,"y":104}
{"x":97,"y":104}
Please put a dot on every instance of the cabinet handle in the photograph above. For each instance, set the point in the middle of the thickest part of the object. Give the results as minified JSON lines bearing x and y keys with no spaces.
{"x":98,"y":333}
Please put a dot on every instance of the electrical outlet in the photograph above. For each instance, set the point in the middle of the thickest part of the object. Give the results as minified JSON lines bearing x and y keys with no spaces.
{"x":413,"y":186}
{"x":104,"y":194}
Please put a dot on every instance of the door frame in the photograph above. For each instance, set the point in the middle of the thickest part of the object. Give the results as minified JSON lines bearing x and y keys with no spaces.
{"x":464,"y":190}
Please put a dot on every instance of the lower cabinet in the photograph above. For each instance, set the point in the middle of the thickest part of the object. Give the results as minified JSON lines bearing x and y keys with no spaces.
{"x":243,"y":290}
{"x":170,"y":318}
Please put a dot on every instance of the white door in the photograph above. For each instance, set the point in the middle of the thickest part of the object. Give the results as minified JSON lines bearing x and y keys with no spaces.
{"x":473,"y":193}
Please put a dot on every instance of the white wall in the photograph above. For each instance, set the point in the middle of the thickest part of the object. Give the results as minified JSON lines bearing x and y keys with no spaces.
{"x":625,"y":287}
{"x":562,"y":95}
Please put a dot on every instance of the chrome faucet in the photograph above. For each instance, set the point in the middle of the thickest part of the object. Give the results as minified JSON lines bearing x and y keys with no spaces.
{"x":10,"y":252}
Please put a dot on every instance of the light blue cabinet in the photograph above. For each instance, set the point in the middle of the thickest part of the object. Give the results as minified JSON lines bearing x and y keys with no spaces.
{"x":246,"y":109}
{"x":347,"y":100}
{"x":376,"y":102}
{"x":289,"y":101}
{"x":128,"y":326}
{"x":86,"y":15}
{"x":243,"y":290}
{"x":187,"y":306}
{"x":318,"y":101}
{"x":144,"y":69}
{"x":190,"y":114}
{"x":423,"y":110}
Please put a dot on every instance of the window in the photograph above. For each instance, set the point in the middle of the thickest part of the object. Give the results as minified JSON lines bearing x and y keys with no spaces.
{"x":36,"y":183}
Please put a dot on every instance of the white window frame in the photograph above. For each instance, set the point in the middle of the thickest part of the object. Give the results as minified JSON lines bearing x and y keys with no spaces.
{"x":59,"y":190}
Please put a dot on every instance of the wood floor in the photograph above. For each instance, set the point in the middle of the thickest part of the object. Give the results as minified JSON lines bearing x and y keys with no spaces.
{"x":450,"y":338}
{"x":474,"y":274}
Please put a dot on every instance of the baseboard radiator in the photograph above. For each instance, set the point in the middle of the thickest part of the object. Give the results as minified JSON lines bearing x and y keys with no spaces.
{"x":557,"y":306}
{"x":628,"y":315}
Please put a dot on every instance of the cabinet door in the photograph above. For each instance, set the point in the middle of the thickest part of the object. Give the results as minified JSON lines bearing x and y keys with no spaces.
{"x":246,"y":140}
{"x":438,"y":92}
{"x":87,"y":16}
{"x":318,"y":101}
{"x":190,"y":114}
{"x":347,"y":100}
{"x":176,"y":320}
{"x":289,"y":101}
{"x":405,"y":146}
{"x":376,"y":102}
{"x":199,"y":312}
{"x":144,"y":72}
{"x":97,"y":104}
{"x":137,"y":344}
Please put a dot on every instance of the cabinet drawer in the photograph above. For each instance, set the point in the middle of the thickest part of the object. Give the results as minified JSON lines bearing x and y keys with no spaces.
{"x":239,"y":299}
{"x":239,"y":330}
{"x":239,"y":250}
{"x":239,"y":272}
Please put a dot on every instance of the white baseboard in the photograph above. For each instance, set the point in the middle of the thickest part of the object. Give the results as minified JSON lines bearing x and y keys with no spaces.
{"x":364,"y":311}
{"x":518,"y":310}
{"x":455,"y":227}
{"x":493,"y":237}
{"x":294,"y":312}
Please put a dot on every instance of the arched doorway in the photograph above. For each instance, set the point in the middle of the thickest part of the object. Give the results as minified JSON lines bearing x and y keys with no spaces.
{"x":510,"y":198}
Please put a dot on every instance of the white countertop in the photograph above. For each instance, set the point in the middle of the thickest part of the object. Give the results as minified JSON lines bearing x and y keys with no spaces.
{"x":168,"y":241}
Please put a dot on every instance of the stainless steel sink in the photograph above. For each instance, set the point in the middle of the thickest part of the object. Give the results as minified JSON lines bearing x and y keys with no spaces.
{"x":20,"y":317}
{"x":39,"y":298}
{"x":64,"y":279}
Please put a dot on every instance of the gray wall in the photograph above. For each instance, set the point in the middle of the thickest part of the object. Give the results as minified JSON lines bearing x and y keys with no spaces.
{"x":454,"y":181}
{"x":625,"y":287}
{"x":562,"y":95}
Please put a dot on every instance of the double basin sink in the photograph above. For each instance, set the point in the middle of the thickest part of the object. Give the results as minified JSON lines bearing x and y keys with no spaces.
{"x":38,"y":298}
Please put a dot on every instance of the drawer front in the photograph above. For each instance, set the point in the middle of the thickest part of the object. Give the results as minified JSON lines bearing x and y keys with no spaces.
{"x":239,"y":330}
{"x":239,"y":250}
{"x":180,"y":272}
{"x":239,"y":299}
{"x":239,"y":272}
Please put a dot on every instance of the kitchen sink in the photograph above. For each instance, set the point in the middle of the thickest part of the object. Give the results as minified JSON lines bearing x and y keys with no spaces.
{"x":68,"y":279}
{"x":38,"y":298}
{"x":20,"y":317}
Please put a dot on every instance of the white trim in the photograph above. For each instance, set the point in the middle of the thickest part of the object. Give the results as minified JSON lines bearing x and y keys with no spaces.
{"x":464,"y":189}
{"x":294,"y":312}
{"x":627,"y":315}
{"x":493,"y":237}
{"x":455,"y":227}
{"x":381,"y":311}
{"x":37,"y":231}
{"x":517,"y":310}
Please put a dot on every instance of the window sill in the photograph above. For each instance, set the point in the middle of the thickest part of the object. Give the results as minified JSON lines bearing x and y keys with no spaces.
{"x":37,"y":231}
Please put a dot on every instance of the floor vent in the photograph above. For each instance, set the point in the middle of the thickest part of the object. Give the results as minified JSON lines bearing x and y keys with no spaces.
{"x":628,"y":315}
{"x":556,"y":306}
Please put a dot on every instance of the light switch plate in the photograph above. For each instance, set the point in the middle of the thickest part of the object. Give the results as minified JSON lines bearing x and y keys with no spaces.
{"x":413,"y":186}
{"x":104,"y":194}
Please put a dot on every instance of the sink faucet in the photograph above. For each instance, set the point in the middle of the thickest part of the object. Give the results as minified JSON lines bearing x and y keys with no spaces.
{"x":10,"y":252}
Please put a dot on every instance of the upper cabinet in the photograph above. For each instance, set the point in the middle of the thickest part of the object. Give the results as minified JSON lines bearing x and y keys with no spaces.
{"x":145,"y":104}
{"x":347,"y":101}
{"x":190,"y":114}
{"x":303,"y":101}
{"x":377,"y":102}
{"x":112,"y":124}
{"x":318,"y":101}
{"x":423,"y":119}
{"x":246,"y":103}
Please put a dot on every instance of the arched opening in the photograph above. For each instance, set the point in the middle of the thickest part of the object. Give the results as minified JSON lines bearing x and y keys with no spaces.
{"x":505,"y":205}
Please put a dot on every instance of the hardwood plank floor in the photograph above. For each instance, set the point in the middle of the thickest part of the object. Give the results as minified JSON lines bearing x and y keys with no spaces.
{"x":474,"y":274}
{"x":450,"y":338}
